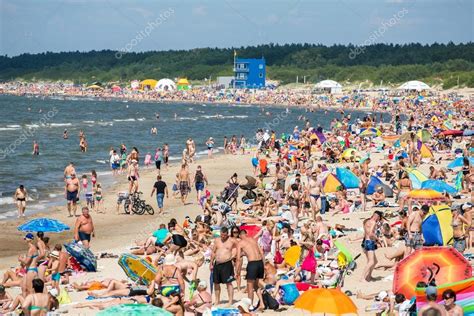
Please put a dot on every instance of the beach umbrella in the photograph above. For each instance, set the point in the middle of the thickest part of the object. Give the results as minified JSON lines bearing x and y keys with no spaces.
{"x":436,"y":227}
{"x":425,"y":151}
{"x":425,"y":195}
{"x":46,"y":225}
{"x":468,"y":132}
{"x":252,"y":230}
{"x":83,"y":256}
{"x":134,"y":310}
{"x":441,"y":264}
{"x":321,"y":301}
{"x":347,"y":178}
{"x":459,"y":162}
{"x":424,"y":135}
{"x":408,"y":136}
{"x":375,"y":183}
{"x":137,"y":268}
{"x":452,"y":132}
{"x":416,"y":177}
{"x":438,"y":185}
{"x":464,"y":293}
{"x":370,"y":132}
{"x":349,"y":152}
{"x":390,"y":138}
{"x":292,"y":255}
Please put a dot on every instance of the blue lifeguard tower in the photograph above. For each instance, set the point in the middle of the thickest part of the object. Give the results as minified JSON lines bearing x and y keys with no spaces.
{"x":249,"y":73}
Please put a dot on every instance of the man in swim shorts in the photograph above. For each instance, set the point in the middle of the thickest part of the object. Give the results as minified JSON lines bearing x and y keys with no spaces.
{"x":71,"y":192}
{"x":84,"y":228}
{"x":255,"y":267}
{"x":20,"y":196}
{"x":369,"y":244}
{"x":221,"y":265}
{"x":184,"y":181}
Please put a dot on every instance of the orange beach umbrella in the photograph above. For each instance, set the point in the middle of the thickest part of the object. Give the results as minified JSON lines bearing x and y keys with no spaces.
{"x":441,"y":264}
{"x":330,"y":301}
{"x":425,"y":195}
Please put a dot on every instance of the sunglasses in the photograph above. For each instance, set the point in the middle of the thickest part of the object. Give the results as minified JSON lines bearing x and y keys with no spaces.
{"x":447,"y":297}
{"x":235,"y":232}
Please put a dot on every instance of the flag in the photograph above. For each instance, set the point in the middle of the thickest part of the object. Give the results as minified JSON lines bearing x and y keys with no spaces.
{"x":235,"y":53}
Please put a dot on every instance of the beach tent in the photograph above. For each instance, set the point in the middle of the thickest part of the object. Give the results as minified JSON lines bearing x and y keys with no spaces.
{"x":330,"y":86}
{"x":183,"y":84}
{"x":458,"y":162}
{"x":464,"y":293}
{"x":414,"y":85}
{"x":424,"y":135}
{"x":148,"y":84}
{"x":165,"y":85}
{"x":347,"y":178}
{"x":441,"y":264}
{"x":331,"y":184}
{"x":116,"y":89}
{"x":436,"y":227}
{"x":438,"y":185}
{"x":425,"y":151}
{"x":416,"y":177}
{"x":374,"y":183}
{"x":95,"y":87}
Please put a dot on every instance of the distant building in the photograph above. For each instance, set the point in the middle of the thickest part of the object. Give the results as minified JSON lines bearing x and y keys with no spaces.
{"x":249,"y":73}
{"x":225,"y":82}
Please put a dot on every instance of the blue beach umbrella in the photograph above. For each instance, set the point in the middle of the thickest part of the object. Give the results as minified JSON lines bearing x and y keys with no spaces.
{"x":458,"y":162}
{"x":468,"y":132}
{"x":46,"y":225}
{"x":83,"y":256}
{"x":439,"y":186}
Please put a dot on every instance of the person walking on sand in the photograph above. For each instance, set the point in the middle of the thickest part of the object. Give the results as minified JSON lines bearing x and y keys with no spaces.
{"x":161,"y":188}
{"x":166,"y":154}
{"x":200,"y":181}
{"x":222,"y":269}
{"x":71,"y":192}
{"x":132,"y":176}
{"x":20,"y":197}
{"x":84,"y":228}
{"x":414,"y":237}
{"x":184,"y":183}
{"x":369,"y":245}
{"x":255,"y":268}
{"x":36,"y":150}
{"x":210,"y":147}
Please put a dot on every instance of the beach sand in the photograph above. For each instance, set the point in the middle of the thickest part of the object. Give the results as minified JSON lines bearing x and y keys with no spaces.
{"x":116,"y":233}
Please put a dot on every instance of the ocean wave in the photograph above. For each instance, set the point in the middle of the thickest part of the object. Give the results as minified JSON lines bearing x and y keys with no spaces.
{"x":60,"y":124}
{"x":174,"y":158}
{"x":102,"y":161}
{"x":9,"y":128}
{"x":14,"y":126}
{"x":32,"y":125}
{"x":187,"y":118}
{"x":125,"y":120}
{"x":141,"y":119}
{"x":52,"y":195}
{"x":7,"y":200}
{"x":8,"y":214}
{"x":88,"y":122}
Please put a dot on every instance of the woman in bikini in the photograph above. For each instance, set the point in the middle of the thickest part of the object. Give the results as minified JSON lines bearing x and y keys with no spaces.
{"x":30,"y":261}
{"x":458,"y":222}
{"x":404,"y":186}
{"x":169,"y":280}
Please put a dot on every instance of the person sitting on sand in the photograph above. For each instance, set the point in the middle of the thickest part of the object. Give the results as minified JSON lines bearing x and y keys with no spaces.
{"x":379,"y":197}
{"x":201,"y":300}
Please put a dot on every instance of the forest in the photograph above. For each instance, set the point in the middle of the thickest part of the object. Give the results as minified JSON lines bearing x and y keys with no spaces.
{"x":446,"y":65}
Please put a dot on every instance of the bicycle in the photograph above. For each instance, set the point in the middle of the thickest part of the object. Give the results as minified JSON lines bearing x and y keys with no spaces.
{"x":137,"y":205}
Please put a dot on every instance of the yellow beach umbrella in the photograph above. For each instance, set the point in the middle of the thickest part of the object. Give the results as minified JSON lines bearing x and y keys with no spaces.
{"x":292,"y":255}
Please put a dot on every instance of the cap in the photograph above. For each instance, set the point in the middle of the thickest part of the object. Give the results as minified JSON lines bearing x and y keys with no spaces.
{"x":382,"y":295}
{"x":202,"y":284}
{"x":29,"y":236}
{"x":244,"y":304}
{"x":431,"y":290}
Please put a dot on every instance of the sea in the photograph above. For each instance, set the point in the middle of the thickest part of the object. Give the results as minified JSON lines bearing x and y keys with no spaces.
{"x":109,"y":123}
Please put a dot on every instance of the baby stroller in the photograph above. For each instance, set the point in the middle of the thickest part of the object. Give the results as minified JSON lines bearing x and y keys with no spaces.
{"x":248,"y":188}
{"x":230,"y":194}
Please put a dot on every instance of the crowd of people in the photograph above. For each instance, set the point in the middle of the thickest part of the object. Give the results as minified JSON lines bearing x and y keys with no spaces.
{"x":250,"y":230}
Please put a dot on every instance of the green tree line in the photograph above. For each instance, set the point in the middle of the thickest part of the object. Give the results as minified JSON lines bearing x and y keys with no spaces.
{"x":446,"y":64}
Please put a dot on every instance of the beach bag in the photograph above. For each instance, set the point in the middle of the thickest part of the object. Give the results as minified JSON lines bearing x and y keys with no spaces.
{"x":269,"y":301}
{"x":278,"y":259}
{"x":309,"y":263}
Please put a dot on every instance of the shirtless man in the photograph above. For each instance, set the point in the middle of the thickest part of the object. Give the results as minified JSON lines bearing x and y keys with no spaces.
{"x":414,"y":238}
{"x":132,"y":176}
{"x":321,"y":230}
{"x":221,"y":265}
{"x":63,"y":259}
{"x":188,"y":267}
{"x":71,"y":191}
{"x":20,"y":197}
{"x":184,"y":181}
{"x":191,"y":148}
{"x":255,"y":267}
{"x":84,"y":228}
{"x":369,"y":244}
{"x":281,"y":175}
{"x":314,"y":189}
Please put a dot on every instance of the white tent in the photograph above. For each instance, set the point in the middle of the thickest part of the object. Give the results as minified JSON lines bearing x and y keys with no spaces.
{"x":165,"y":85}
{"x":414,"y":85}
{"x":330,"y":86}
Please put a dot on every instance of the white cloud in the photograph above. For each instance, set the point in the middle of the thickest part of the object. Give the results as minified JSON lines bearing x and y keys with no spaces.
{"x":200,"y":11}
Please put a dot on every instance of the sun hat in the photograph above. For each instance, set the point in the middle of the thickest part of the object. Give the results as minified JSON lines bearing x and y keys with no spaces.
{"x":170,"y":259}
{"x":54,"y":254}
{"x":202,"y":284}
{"x":382,"y":295}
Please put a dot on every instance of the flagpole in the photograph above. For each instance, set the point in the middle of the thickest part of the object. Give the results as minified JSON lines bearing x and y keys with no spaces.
{"x":235,"y":68}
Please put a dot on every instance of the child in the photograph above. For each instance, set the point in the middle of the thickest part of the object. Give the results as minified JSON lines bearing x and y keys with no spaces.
{"x":84,"y":184}
{"x":98,"y":198}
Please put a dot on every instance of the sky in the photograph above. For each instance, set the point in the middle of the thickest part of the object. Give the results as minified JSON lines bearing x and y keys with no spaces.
{"x":35,"y":26}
